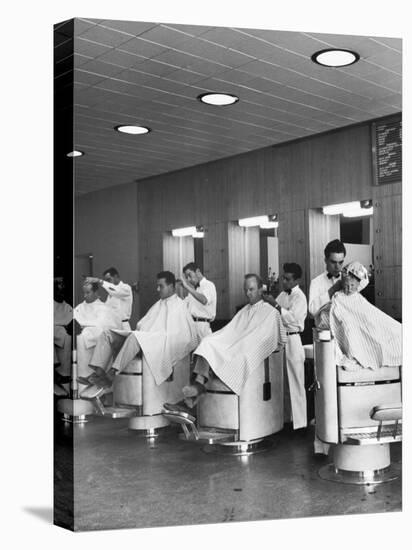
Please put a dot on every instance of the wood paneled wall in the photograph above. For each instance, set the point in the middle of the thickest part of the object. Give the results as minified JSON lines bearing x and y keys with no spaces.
{"x":177,"y":252}
{"x":321,"y":230}
{"x":106,"y":225}
{"x":244,"y":257}
{"x":289,"y":179}
{"x":387,"y":223}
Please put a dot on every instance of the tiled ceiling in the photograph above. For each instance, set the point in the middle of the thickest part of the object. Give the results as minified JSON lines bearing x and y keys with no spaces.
{"x":151,"y":74}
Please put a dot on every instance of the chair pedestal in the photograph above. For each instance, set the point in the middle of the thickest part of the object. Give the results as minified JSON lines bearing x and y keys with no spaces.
{"x":238,"y":424}
{"x":149,"y":425}
{"x":75,"y":411}
{"x":361,"y":465}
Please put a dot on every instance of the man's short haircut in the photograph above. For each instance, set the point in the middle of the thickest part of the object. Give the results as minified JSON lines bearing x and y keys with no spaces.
{"x":95,"y":286}
{"x":295,"y":269}
{"x":192,"y":266}
{"x":168,"y":276}
{"x":112,"y":271}
{"x":259,"y":281}
{"x":335,"y":247}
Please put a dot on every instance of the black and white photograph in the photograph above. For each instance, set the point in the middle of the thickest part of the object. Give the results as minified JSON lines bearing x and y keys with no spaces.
{"x":226,"y":260}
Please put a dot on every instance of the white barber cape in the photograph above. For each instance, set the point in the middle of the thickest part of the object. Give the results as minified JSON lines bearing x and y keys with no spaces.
{"x":94,"y":317}
{"x":365,"y":335}
{"x":166,"y":334}
{"x":63,"y":315}
{"x":236,"y":350}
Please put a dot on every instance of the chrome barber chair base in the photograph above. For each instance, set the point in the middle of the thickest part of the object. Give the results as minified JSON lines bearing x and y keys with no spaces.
{"x":210,"y":437}
{"x":239,"y":448}
{"x":82,"y":419}
{"x":360,"y":465}
{"x":75,"y":410}
{"x":331,"y":473}
{"x":148,"y":425}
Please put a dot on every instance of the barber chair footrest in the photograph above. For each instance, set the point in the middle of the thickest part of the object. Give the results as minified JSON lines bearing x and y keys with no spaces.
{"x":388,"y":434}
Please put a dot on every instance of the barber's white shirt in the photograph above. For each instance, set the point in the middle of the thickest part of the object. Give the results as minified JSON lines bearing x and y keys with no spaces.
{"x":120,"y":299}
{"x":319,"y":300}
{"x":294,"y":309}
{"x":196,"y":308}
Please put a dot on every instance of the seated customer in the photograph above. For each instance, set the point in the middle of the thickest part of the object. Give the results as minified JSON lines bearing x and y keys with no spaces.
{"x":236,"y":350}
{"x":366,"y":336}
{"x":94,"y":316}
{"x":63,"y":318}
{"x":164,"y":336}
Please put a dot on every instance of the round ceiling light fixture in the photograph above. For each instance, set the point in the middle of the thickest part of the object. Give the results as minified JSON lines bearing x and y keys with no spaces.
{"x":335,"y":57}
{"x":75,"y":153}
{"x":220,"y":99}
{"x":132,"y":129}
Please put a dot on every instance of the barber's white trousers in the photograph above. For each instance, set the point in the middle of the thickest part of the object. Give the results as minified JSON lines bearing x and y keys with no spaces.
{"x":111,"y":345}
{"x":203,"y":329}
{"x":62,"y":351}
{"x":295,"y":369}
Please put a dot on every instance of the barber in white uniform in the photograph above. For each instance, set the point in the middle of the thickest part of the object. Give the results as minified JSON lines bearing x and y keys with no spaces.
{"x":322,"y":288}
{"x":292,"y":306}
{"x":120,"y":296}
{"x":201,"y":298}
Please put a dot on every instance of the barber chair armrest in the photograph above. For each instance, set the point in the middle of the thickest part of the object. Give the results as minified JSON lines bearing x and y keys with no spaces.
{"x":386,"y":412}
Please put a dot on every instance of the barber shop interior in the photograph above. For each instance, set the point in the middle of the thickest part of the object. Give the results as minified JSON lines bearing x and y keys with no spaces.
{"x":227,"y":274}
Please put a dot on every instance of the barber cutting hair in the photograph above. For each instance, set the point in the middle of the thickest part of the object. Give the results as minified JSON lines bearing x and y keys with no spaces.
{"x":321,"y":291}
{"x":201,"y":298}
{"x":324,"y":286}
{"x":120,"y":296}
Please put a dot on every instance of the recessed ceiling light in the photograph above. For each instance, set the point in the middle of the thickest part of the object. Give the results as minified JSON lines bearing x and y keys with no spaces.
{"x":132,"y":129}
{"x":75,"y":154}
{"x":217,"y":98}
{"x":333,"y":57}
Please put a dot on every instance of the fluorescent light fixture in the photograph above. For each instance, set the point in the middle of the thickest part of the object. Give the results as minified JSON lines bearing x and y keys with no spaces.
{"x":132,"y":129}
{"x":335,"y":57}
{"x":333,"y":209}
{"x":251,"y":222}
{"x":358,"y":212}
{"x":269,"y":225}
{"x":75,"y":153}
{"x":197,"y":232}
{"x":184,"y":231}
{"x":219,"y":99}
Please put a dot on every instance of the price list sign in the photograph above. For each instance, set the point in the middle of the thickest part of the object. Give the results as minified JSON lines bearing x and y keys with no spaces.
{"x":387,"y":151}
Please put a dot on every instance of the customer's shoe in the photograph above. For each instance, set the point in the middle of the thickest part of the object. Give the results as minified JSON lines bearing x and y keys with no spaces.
{"x":179,"y":407}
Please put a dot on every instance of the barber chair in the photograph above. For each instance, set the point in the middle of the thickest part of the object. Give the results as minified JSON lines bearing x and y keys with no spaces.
{"x":137,"y":397}
{"x":238,"y":424}
{"x":73,"y":409}
{"x":359,"y":413}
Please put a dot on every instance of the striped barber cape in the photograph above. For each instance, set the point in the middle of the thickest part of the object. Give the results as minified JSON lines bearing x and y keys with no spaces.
{"x":236,"y":350}
{"x":364,"y":333}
